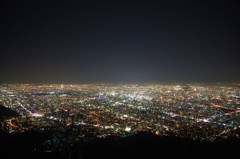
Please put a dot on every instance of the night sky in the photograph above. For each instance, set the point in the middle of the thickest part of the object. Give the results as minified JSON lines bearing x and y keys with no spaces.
{"x":116,"y":41}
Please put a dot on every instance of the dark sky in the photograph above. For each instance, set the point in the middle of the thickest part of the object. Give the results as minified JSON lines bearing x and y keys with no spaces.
{"x":116,"y":41}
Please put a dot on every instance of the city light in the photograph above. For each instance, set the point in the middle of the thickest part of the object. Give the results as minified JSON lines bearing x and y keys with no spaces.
{"x":194,"y":111}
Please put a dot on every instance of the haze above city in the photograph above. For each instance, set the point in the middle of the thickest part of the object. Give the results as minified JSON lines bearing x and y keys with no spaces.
{"x":116,"y":41}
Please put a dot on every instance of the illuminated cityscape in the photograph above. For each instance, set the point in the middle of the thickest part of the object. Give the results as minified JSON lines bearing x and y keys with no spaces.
{"x":90,"y":111}
{"x":119,"y":79}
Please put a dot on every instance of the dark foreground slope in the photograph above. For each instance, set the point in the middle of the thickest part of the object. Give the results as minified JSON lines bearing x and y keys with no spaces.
{"x":146,"y":145}
{"x":143,"y":145}
{"x":6,"y":112}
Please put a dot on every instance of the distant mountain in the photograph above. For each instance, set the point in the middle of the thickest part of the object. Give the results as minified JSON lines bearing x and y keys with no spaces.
{"x":6,"y":112}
